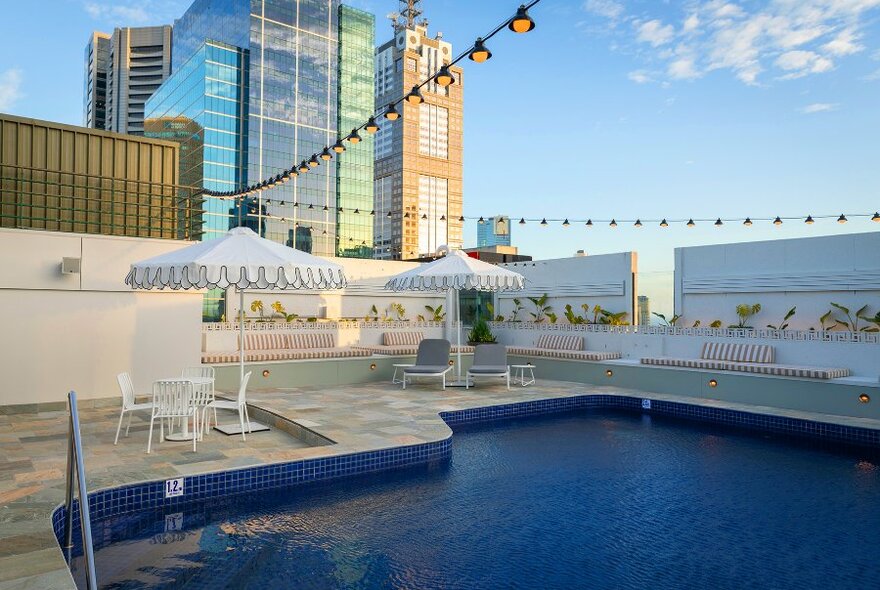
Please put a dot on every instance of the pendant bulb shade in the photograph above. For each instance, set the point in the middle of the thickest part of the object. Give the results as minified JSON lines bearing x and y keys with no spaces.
{"x":777,"y":221}
{"x":338,"y":147}
{"x":664,"y":223}
{"x":565,"y":223}
{"x":326,"y":155}
{"x":371,"y":126}
{"x":809,"y":220}
{"x":876,"y":217}
{"x":353,"y":137}
{"x":718,"y":222}
{"x":638,"y":223}
{"x":691,"y":223}
{"x":444,"y":77}
{"x":303,"y":167}
{"x":842,"y":218}
{"x":613,"y":223}
{"x":544,"y":222}
{"x":522,"y":220}
{"x":521,"y":22}
{"x":480,"y":52}
{"x":391,"y":113}
{"x":424,"y":215}
{"x":313,"y":161}
{"x":389,"y":215}
{"x":415,"y":96}
{"x":589,"y":223}
{"x":461,"y":218}
{"x":747,"y":222}
{"x":442,"y":218}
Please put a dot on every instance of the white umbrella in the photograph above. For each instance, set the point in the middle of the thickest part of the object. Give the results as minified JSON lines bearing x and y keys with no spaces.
{"x":239,"y":259}
{"x":457,"y":272}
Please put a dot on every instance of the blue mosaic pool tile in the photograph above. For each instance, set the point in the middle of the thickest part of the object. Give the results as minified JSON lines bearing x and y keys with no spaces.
{"x":151,"y":495}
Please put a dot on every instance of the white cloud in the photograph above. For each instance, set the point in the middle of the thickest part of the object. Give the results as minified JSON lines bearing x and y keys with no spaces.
{"x":683,"y":69}
{"x":754,"y":41}
{"x":639,"y":77}
{"x":607,"y":8}
{"x":127,"y":15}
{"x":846,"y":43}
{"x":819,"y":107}
{"x":872,"y":77}
{"x":10,"y":88}
{"x":655,"y":32}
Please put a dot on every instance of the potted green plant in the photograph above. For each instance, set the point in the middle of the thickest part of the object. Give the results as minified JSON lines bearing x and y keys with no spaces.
{"x":480,"y":334}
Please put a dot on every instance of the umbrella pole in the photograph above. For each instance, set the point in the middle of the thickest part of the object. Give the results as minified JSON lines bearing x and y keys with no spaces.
{"x":241,"y":335}
{"x":458,"y":317}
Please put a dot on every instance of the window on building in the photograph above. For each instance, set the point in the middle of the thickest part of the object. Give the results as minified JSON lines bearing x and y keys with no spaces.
{"x":434,"y":131}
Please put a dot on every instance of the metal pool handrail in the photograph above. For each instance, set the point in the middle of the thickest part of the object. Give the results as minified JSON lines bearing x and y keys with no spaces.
{"x":75,"y":462}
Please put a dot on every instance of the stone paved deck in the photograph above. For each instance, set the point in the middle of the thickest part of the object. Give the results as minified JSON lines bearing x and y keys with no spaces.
{"x":356,"y":417}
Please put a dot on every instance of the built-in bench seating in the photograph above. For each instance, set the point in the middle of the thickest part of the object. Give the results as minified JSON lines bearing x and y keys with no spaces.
{"x":402,"y":343}
{"x":562,"y":346}
{"x":276,"y":346}
{"x":747,"y":358}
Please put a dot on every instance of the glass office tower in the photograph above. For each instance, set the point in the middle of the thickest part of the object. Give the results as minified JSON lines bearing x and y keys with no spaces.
{"x":308,"y":70}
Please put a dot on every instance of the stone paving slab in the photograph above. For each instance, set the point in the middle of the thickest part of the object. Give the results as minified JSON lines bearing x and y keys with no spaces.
{"x":356,"y":418}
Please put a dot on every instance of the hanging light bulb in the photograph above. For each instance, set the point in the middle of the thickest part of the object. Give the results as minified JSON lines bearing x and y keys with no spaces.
{"x":809,"y":220}
{"x":389,"y":215}
{"x":718,"y":222}
{"x":406,"y":215}
{"x":313,"y":161}
{"x":357,"y":211}
{"x":391,"y":113}
{"x":338,"y":147}
{"x":663,"y":223}
{"x":442,"y":218}
{"x":544,"y":222}
{"x":303,"y":167}
{"x":691,"y":223}
{"x":841,"y":219}
{"x":292,"y":172}
{"x":522,"y":220}
{"x":271,"y":182}
{"x":340,"y":210}
{"x":373,"y":212}
{"x":480,"y":52}
{"x":424,"y":215}
{"x":371,"y":126}
{"x":325,"y":208}
{"x":415,"y":96}
{"x":311,"y":206}
{"x":353,"y":137}
{"x":326,"y":155}
{"x":747,"y":222}
{"x":589,"y":223}
{"x":638,"y":223}
{"x":777,"y":221}
{"x":565,"y":223}
{"x":444,"y":77}
{"x":876,"y":217}
{"x":481,"y":221}
{"x":521,"y":22}
{"x":613,"y":223}
{"x":461,"y":218}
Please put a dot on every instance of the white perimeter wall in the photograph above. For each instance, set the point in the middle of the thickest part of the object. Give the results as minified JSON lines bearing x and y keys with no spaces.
{"x":810,"y":273}
{"x":78,"y":331}
{"x":607,"y":280}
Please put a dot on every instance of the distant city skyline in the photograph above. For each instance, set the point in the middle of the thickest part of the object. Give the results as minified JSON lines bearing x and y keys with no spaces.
{"x":682,"y":109}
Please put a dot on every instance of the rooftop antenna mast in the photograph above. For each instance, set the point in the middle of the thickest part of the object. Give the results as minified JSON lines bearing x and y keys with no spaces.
{"x":407,"y":16}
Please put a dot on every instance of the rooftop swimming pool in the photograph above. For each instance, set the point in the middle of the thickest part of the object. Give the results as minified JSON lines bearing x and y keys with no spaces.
{"x":586,"y":499}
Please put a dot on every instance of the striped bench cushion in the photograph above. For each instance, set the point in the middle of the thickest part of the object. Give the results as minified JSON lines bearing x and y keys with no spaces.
{"x":405,"y":350}
{"x":761,"y":368}
{"x":740,"y":353}
{"x":560,"y":342}
{"x":282,"y":355}
{"x":264,"y":341}
{"x":402,"y":338}
{"x":583,"y":355}
{"x":301,"y":340}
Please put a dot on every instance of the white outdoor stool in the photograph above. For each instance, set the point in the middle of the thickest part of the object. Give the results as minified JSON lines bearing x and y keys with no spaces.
{"x":519,"y":374}
{"x":400,"y":367}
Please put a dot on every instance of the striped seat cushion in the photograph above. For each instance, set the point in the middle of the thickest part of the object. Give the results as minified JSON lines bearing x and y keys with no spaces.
{"x":264,"y":341}
{"x":282,"y":355}
{"x":402,"y":338}
{"x":560,"y":342}
{"x":740,"y":353}
{"x":689,"y":363}
{"x":581,"y":355}
{"x":404,"y":350}
{"x":308,"y":340}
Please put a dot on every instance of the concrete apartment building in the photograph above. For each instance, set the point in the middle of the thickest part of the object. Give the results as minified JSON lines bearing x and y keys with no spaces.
{"x":132,"y":64}
{"x":418,"y":173}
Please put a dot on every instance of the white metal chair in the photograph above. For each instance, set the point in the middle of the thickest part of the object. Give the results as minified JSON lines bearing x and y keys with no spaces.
{"x":128,"y":403}
{"x":173,"y":399}
{"x":239,"y":404}
{"x":202,"y":373}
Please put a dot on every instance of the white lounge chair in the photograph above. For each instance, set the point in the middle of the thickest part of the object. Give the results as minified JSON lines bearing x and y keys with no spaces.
{"x":239,"y":404}
{"x":432,"y":360}
{"x":128,"y":403}
{"x":490,"y":360}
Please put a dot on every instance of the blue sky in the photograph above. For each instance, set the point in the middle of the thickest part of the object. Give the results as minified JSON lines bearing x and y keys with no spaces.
{"x":694,"y":108}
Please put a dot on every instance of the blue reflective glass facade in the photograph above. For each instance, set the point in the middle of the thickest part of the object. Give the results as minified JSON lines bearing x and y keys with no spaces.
{"x":292,"y":111}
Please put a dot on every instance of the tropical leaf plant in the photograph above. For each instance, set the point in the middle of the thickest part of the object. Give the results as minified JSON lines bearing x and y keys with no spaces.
{"x":257,"y":306}
{"x":481,"y":333}
{"x":517,"y":309}
{"x":744,"y":311}
{"x":373,"y":315}
{"x":572,"y":317}
{"x":613,"y":319}
{"x":541,"y":308}
{"x":437,"y":313}
{"x":826,"y":317}
{"x":784,"y":323}
{"x":715,"y":324}
{"x":670,"y":323}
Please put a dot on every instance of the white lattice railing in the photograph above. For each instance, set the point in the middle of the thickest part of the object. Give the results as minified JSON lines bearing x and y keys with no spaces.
{"x":320,"y":325}
{"x":763,"y":333}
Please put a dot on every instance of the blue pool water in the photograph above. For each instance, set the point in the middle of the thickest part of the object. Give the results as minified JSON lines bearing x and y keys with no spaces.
{"x":582,"y":500}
